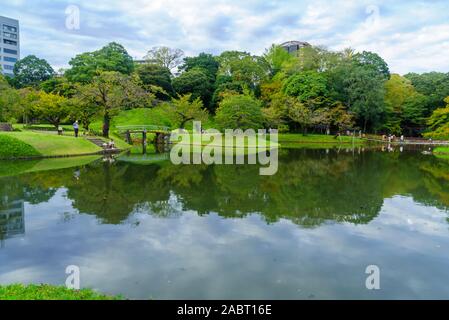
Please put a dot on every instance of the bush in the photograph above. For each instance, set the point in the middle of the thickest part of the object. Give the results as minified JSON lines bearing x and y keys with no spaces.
{"x":47,"y":292}
{"x":239,"y":112}
{"x":13,"y":148}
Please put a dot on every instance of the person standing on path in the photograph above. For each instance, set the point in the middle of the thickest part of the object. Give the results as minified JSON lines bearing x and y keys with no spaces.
{"x":76,"y":128}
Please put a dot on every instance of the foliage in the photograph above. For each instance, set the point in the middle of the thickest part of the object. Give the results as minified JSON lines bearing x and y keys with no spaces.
{"x":239,"y":112}
{"x":433,"y":85}
{"x":112,"y":57}
{"x":165,"y":57}
{"x":195,"y":82}
{"x":48,"y":292}
{"x":8,"y":101}
{"x":185,"y":109}
{"x":111,"y":92}
{"x":204,"y":61}
{"x":158,"y":76}
{"x":30,"y":71}
{"x":51,"y":108}
{"x":439,"y":123}
{"x":11,"y":147}
{"x":306,"y":86}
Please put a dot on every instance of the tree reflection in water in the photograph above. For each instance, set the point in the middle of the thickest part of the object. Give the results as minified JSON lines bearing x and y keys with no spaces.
{"x":312,"y":187}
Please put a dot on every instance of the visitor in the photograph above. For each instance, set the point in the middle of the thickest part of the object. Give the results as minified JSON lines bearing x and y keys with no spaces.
{"x":60,"y":131}
{"x":76,"y":128}
{"x":111,"y":144}
{"x":402,"y":138}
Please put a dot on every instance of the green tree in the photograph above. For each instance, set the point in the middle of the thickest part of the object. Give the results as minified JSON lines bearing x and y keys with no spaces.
{"x":51,"y":107}
{"x":434,"y":85}
{"x":277,"y":57}
{"x":8,"y":101}
{"x":239,"y":112}
{"x":306,"y":86}
{"x":156,"y":75}
{"x":374,"y":62}
{"x":364,"y":91}
{"x":439,"y":122}
{"x":60,"y":86}
{"x":196,"y":83}
{"x":112,"y":57}
{"x":31,"y":71}
{"x":207,"y":62}
{"x":185,"y":109}
{"x":111,"y":92}
{"x":244,"y":68}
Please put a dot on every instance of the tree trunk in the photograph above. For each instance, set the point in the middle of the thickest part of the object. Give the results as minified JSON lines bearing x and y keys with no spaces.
{"x":106,"y":123}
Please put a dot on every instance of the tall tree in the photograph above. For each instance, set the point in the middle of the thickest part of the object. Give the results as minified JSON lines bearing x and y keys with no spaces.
{"x":31,"y":71}
{"x":165,"y":57}
{"x":112,"y":57}
{"x":51,"y":107}
{"x":111,"y":92}
{"x":204,"y":61}
{"x":197,"y":83}
{"x":239,"y":112}
{"x":434,"y":85}
{"x":183,"y":110}
{"x":156,"y":75}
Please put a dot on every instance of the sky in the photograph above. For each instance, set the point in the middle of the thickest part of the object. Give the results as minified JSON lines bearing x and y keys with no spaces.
{"x":411,"y":35}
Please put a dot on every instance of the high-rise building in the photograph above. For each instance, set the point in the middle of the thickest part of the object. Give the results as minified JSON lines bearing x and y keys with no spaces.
{"x":9,"y":44}
{"x":293,"y":47}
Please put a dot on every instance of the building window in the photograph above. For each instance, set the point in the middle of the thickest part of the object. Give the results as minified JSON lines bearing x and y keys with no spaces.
{"x":10,"y":42}
{"x":9,"y":51}
{"x":9,"y":28}
{"x":10,"y":35}
{"x":9,"y":59}
{"x":8,"y":67}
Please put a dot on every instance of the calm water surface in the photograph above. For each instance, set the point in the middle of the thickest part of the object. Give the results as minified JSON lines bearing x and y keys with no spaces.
{"x":224,"y":232}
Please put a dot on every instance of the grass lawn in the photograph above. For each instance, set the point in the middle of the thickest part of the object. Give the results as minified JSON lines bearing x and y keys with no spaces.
{"x":316,"y":138}
{"x":441,"y":150}
{"x":11,"y":147}
{"x":47,"y":292}
{"x":51,"y":144}
{"x":206,"y":139}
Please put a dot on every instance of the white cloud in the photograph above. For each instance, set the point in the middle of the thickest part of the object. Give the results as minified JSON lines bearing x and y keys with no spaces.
{"x":410,"y":35}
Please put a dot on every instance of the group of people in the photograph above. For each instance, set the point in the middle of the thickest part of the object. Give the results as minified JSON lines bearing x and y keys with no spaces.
{"x":392,"y":138}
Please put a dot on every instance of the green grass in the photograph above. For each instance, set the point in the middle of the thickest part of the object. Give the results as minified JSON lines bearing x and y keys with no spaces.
{"x":316,"y":138}
{"x":48,"y":292}
{"x":441,"y":150}
{"x":54,"y":145}
{"x":12,"y":147}
{"x":206,"y":139}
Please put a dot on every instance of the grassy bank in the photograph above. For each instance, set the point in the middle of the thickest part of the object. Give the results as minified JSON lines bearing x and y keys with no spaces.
{"x":11,"y":147}
{"x":441,"y":150}
{"x":48,"y":145}
{"x":316,"y":139}
{"x":47,"y":292}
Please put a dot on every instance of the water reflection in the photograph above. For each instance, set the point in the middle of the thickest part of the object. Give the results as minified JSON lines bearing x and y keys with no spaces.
{"x":144,"y":228}
{"x":311,"y":187}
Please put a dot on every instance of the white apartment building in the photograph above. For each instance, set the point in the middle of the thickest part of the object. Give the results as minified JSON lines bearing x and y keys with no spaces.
{"x":9,"y":44}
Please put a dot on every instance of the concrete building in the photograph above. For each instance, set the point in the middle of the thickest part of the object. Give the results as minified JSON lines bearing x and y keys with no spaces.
{"x":293,"y":46}
{"x":9,"y":44}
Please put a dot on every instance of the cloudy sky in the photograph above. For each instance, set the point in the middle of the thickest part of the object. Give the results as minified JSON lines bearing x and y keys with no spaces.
{"x":411,"y":35}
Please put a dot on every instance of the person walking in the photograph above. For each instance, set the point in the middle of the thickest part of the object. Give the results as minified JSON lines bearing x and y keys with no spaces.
{"x":76,"y":128}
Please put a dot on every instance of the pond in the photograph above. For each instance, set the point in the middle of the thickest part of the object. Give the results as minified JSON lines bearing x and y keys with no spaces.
{"x":154,"y":230}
